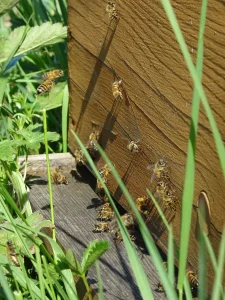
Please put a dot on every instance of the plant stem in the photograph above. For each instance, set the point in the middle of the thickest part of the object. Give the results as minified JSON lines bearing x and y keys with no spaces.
{"x":49,"y":175}
{"x":87,"y":287}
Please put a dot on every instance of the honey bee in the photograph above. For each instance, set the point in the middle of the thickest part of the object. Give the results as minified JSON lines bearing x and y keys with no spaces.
{"x":160,"y":169}
{"x":133,"y":147}
{"x":93,"y":140}
{"x":169,"y":198}
{"x":106,"y":212}
{"x":51,"y":75}
{"x":118,"y":237}
{"x":143,"y":204}
{"x":12,"y":253}
{"x":58,"y":178}
{"x":112,"y":11}
{"x":117,"y":89}
{"x":161,"y":188}
{"x":101,"y":227}
{"x":79,"y":156}
{"x":104,"y":171}
{"x":192,"y":278}
{"x":46,"y":86}
{"x":128,"y":221}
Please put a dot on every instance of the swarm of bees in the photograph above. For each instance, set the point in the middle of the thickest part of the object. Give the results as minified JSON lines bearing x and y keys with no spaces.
{"x":112,"y":225}
{"x":112,"y":11}
{"x":164,"y":189}
{"x":49,"y":81}
{"x":58,"y":178}
{"x":11,"y":253}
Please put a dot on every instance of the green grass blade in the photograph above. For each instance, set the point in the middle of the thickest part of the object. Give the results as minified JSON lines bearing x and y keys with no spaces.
{"x":65,"y":104}
{"x":188,"y":190}
{"x":5,"y":5}
{"x":52,"y":293}
{"x":220,"y":269}
{"x":4,"y":284}
{"x":49,"y":175}
{"x":40,"y":272}
{"x":100,"y":288}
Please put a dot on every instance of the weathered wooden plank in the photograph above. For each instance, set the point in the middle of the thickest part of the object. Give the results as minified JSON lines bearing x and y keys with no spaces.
{"x":75,"y":217}
{"x":144,"y":53}
{"x":37,"y":163}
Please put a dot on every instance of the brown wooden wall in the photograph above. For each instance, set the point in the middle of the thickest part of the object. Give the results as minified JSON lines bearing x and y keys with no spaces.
{"x":142,"y":50}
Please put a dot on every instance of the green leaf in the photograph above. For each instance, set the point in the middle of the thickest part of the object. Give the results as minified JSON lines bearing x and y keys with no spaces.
{"x":7,"y":150}
{"x":6,"y":5}
{"x":94,"y":250}
{"x":37,"y":221}
{"x":53,"y":99}
{"x":37,"y":37}
{"x":73,"y":263}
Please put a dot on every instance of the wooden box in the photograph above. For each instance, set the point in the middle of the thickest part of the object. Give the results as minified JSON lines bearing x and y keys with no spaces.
{"x":140,"y":48}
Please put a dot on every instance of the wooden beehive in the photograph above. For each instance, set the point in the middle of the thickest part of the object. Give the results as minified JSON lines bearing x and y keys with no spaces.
{"x":141,"y":49}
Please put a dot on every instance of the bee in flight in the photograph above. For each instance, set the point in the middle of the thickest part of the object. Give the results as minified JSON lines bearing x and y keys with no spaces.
{"x":46,"y":86}
{"x":58,"y":178}
{"x":12,"y":253}
{"x":192,"y":278}
{"x":160,"y":169}
{"x":101,"y":227}
{"x":52,"y":75}
{"x":49,"y":82}
{"x":143,"y":204}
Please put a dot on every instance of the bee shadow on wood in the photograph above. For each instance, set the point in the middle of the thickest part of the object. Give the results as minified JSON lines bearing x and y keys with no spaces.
{"x":97,"y":68}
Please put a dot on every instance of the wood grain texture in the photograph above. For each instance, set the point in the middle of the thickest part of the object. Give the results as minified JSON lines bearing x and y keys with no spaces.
{"x":142,"y":50}
{"x":75,"y":216}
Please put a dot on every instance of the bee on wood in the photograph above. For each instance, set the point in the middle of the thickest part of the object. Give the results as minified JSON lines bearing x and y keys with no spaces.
{"x":58,"y":178}
{"x":101,"y":227}
{"x":128,"y":221}
{"x":118,"y":237}
{"x":93,"y":140}
{"x":161,"y":188}
{"x":79,"y":156}
{"x":46,"y":86}
{"x":170,"y":198}
{"x":117,"y":89}
{"x":192,"y":278}
{"x":104,"y":171}
{"x":133,"y":147}
{"x":112,"y":11}
{"x":52,"y":75}
{"x":160,"y":169}
{"x":12,"y":253}
{"x":105,"y":213}
{"x":143,"y":204}
{"x":160,"y":287}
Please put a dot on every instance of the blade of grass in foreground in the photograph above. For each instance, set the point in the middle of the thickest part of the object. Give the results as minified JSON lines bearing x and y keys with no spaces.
{"x":4,"y":284}
{"x":220,"y":268}
{"x":65,"y":103}
{"x":136,"y":265}
{"x":188,"y":190}
{"x":100,"y":289}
